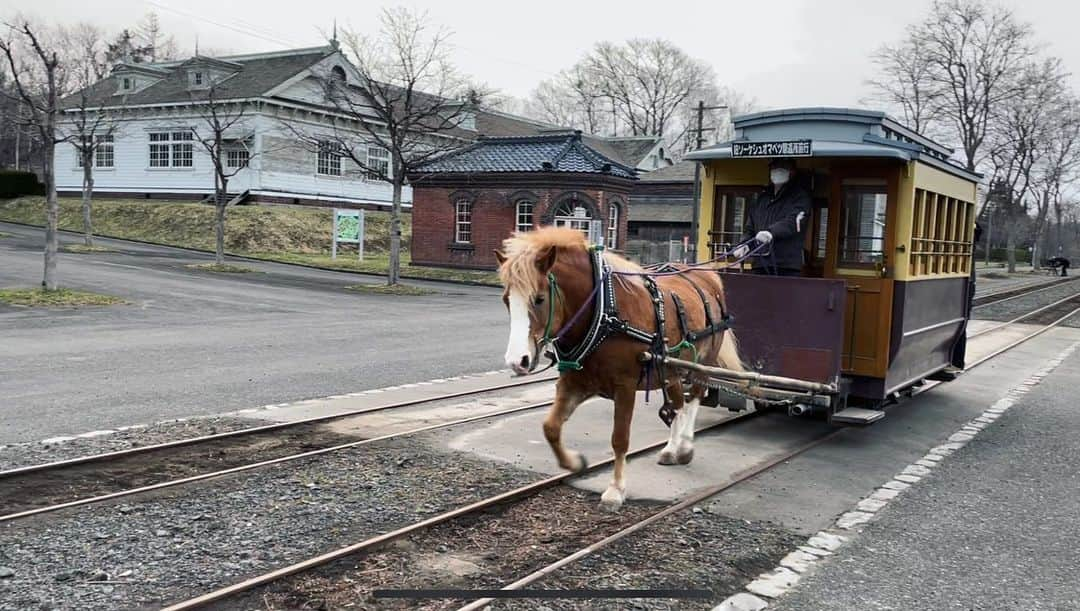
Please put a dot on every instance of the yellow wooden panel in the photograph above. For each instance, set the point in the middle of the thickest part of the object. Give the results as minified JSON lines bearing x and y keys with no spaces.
{"x":867,"y":323}
{"x":933,"y":179}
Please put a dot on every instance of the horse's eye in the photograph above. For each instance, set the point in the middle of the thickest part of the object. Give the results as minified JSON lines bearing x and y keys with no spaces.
{"x":538,"y":300}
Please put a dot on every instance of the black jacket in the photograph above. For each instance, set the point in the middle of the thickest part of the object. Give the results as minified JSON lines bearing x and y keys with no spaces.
{"x":780,"y":216}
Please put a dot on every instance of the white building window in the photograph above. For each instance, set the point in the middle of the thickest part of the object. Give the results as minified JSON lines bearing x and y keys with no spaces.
{"x":613,"y":226}
{"x":197,"y":79}
{"x":378,"y":162}
{"x":524,"y":215}
{"x":172,"y":149}
{"x":236,"y":156}
{"x":103,"y":154}
{"x":329,"y":162}
{"x":128,"y":83}
{"x":463,"y":222}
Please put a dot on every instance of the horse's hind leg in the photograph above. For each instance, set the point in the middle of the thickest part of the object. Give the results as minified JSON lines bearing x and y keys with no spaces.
{"x":566,"y":401}
{"x":613,"y":497}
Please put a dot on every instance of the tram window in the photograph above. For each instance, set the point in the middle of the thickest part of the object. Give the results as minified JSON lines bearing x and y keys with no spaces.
{"x":730,"y":216}
{"x":862,"y":239}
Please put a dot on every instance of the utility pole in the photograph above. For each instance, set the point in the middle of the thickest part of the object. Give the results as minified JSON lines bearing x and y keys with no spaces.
{"x":699,"y":141}
{"x":989,"y":231}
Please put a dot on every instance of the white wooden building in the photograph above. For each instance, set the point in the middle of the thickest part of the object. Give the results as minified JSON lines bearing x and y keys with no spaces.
{"x":153,"y":153}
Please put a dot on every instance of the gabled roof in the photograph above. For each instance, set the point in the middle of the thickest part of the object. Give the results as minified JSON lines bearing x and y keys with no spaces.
{"x":564,"y":153}
{"x":255,"y":75}
{"x":632,"y":149}
{"x":680,"y":172}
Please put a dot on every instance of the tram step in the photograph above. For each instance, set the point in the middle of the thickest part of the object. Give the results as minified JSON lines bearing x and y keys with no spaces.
{"x":857,"y":415}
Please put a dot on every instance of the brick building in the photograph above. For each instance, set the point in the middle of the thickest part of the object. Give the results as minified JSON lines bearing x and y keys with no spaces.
{"x":466,"y":203}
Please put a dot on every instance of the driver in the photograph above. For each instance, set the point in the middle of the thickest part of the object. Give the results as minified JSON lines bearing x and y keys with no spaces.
{"x":778,"y":218}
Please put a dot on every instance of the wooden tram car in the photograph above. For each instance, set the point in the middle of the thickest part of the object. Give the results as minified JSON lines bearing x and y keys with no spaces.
{"x":886,"y":286}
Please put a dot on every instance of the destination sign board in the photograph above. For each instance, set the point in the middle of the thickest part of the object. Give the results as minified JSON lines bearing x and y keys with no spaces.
{"x":779,"y":148}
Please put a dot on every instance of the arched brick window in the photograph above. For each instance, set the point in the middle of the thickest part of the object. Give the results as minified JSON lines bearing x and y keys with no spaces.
{"x":614,"y":210}
{"x":523,"y":214}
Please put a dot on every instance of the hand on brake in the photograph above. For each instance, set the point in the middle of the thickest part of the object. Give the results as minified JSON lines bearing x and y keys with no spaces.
{"x":764,"y":237}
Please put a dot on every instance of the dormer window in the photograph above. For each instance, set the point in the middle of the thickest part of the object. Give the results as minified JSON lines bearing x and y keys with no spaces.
{"x":337,"y":75}
{"x":128,"y":84}
{"x":197,"y":78}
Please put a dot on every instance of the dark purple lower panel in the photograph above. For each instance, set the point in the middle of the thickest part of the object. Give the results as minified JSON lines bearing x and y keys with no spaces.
{"x":927,"y":316}
{"x":788,"y":326}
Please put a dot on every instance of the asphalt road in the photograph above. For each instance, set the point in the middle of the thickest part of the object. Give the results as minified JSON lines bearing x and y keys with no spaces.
{"x":997,"y":526}
{"x":193,"y":342}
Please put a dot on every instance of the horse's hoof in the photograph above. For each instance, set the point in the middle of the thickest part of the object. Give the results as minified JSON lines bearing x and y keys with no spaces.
{"x":577,"y":462}
{"x":612,"y":499}
{"x":667,"y":457}
{"x":685,"y":455}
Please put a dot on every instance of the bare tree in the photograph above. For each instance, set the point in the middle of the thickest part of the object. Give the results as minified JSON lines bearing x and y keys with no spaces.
{"x":904,"y":82}
{"x":38,"y":79}
{"x":159,"y":46}
{"x":1019,"y":132}
{"x":86,"y":123}
{"x":406,"y":109}
{"x":973,"y":51}
{"x":220,"y":133}
{"x":572,"y":99}
{"x":1058,"y":168}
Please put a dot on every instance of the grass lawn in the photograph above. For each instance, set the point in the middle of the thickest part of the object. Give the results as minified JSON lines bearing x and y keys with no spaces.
{"x":224,"y":268}
{"x":84,"y":249}
{"x":59,"y":297}
{"x":288,"y":234}
{"x":5,"y":235}
{"x":385,"y":289}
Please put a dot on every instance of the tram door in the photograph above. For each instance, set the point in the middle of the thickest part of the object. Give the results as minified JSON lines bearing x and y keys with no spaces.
{"x":863,"y":208}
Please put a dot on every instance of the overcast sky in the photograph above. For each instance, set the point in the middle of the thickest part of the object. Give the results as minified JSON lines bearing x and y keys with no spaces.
{"x":781,"y":52}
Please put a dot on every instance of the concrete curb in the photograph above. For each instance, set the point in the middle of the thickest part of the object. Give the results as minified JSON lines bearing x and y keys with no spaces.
{"x":251,"y":410}
{"x":792,"y":567}
{"x":259,"y":260}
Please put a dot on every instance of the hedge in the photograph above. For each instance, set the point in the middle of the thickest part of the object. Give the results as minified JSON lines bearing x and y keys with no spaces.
{"x":15,"y":183}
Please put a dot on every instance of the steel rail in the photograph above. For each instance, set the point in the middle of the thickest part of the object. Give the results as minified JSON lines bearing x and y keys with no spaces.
{"x":1040,"y":287}
{"x":259,"y":429}
{"x":686,"y":503}
{"x":712,"y":491}
{"x":274,"y":461}
{"x":1022,"y":316}
{"x":532,"y":488}
{"x":367,"y":544}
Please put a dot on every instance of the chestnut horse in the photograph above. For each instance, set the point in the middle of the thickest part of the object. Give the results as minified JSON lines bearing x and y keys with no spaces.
{"x":552,"y":282}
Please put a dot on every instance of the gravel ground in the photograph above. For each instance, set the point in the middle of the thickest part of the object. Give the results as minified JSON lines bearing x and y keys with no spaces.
{"x":1021,"y":305}
{"x":37,"y":452}
{"x":692,"y":550}
{"x":183,"y":542}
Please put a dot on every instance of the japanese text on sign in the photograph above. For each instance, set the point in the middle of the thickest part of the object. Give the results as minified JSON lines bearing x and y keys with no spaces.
{"x":785,"y":148}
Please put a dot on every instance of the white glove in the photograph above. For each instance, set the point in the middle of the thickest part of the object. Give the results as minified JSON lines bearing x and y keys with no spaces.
{"x":740,"y":251}
{"x":764,"y":237}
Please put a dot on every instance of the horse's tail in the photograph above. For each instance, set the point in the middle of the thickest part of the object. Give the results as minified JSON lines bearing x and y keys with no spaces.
{"x":728,"y":355}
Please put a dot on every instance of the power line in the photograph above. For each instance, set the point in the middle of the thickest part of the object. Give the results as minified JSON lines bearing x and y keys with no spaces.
{"x":239,"y":30}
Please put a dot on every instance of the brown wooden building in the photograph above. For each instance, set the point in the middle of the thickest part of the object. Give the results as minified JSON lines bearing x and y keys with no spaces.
{"x":466,"y":203}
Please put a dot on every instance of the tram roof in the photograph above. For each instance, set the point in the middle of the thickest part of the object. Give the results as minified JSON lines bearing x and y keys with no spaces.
{"x":836,"y":132}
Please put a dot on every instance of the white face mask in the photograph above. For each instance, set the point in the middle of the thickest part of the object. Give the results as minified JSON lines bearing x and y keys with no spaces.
{"x":779,"y":176}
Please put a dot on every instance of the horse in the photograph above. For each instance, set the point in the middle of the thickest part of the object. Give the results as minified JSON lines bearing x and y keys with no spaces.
{"x":553,"y":279}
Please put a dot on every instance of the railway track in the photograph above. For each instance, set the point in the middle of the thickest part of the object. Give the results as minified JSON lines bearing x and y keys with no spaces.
{"x":49,"y":487}
{"x":997,"y":297}
{"x":752,"y":471}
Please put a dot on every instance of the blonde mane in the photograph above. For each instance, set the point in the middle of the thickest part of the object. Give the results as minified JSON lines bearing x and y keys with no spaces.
{"x":519,"y":271}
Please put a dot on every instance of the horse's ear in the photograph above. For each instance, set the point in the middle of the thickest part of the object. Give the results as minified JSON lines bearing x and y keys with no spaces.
{"x":501,"y":258}
{"x":546,"y":259}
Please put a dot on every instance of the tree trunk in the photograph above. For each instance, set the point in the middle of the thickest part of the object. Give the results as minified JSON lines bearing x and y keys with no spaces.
{"x":1010,"y":245}
{"x":87,"y":196}
{"x":394,"y":272}
{"x":1057,"y":215}
{"x":220,"y":199}
{"x":52,"y":214}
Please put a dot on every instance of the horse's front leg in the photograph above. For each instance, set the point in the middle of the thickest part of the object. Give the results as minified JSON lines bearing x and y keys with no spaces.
{"x":613,"y":497}
{"x":566,"y":401}
{"x":680,"y":446}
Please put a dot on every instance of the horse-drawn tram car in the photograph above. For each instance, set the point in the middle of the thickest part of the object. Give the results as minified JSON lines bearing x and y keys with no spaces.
{"x":883,"y":295}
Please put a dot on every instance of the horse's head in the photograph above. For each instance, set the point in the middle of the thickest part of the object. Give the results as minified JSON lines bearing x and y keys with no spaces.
{"x":528,"y":295}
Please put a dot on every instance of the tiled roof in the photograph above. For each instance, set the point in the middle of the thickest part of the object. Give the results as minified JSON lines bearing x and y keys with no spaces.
{"x":257,"y":74}
{"x":563,"y":152}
